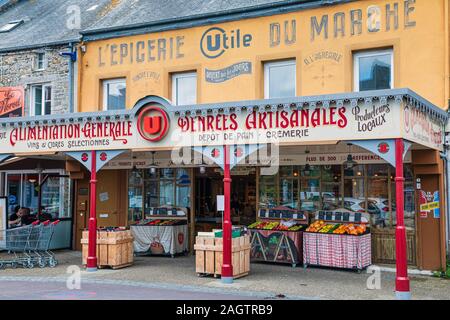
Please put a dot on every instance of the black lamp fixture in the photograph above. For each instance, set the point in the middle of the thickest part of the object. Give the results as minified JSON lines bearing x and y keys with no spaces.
{"x":349,"y":163}
{"x":153,"y":165}
{"x":307,"y":168}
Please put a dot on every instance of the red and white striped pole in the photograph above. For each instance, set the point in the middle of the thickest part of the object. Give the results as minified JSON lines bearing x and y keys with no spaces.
{"x":91,"y":264}
{"x":227,"y":267}
{"x":402,"y":288}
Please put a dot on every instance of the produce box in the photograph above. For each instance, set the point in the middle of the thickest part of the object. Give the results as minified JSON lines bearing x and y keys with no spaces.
{"x":114,"y":248}
{"x":209,"y":256}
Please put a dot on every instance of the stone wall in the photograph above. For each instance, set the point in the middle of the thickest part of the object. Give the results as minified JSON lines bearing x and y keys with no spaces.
{"x":18,"y":69}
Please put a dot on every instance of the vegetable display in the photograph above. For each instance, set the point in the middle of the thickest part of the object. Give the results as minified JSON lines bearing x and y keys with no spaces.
{"x":274,"y":225}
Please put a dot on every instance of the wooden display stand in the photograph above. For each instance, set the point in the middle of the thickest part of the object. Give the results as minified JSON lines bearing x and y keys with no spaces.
{"x":114,"y":249}
{"x":208,"y":256}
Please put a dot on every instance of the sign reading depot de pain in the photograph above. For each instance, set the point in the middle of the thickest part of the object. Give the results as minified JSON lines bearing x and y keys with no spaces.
{"x":154,"y":126}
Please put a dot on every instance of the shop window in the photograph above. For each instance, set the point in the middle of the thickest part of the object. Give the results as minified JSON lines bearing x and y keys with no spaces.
{"x":267,"y":191}
{"x":310,"y":171}
{"x":30,"y":192}
{"x":14,"y":191}
{"x":151,"y":199}
{"x":135,"y":195}
{"x":280,"y":79}
{"x":310,"y":194}
{"x":331,"y":187}
{"x":56,"y":198}
{"x":23,"y":190}
{"x":114,"y":94}
{"x":378,"y":201}
{"x":373,"y":70}
{"x":409,"y":198}
{"x":183,"y":188}
{"x":288,"y":187}
{"x":354,"y":195}
{"x":356,"y":171}
{"x":184,"y":88}
{"x":41,"y":100}
{"x":163,"y":187}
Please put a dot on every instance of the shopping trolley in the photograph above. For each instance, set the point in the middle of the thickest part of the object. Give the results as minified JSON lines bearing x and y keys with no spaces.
{"x":19,"y":242}
{"x":43,"y":256}
{"x":29,"y":246}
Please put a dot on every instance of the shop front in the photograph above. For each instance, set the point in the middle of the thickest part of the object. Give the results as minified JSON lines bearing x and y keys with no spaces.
{"x":330,"y":154}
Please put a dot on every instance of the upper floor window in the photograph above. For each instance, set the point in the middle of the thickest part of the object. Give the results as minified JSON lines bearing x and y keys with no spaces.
{"x":114,"y":94}
{"x":374,"y":70}
{"x":184,"y":88}
{"x":41,"y":100}
{"x":280,"y":79}
{"x":40,"y":61}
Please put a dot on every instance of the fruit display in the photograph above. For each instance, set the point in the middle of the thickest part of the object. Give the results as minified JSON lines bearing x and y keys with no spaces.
{"x":275,"y":226}
{"x":320,"y":226}
{"x":315,"y":226}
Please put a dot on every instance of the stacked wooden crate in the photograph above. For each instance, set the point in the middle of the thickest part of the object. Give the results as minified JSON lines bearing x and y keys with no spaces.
{"x":209,"y":256}
{"x":114,"y":248}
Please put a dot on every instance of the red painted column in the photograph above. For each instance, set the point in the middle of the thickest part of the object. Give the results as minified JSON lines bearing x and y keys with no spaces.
{"x":91,"y":264}
{"x":227,"y":267}
{"x":402,"y":288}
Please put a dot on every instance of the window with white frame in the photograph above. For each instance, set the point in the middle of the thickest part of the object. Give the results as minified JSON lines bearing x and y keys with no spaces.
{"x":280,"y":79}
{"x":41,"y":100}
{"x":40,"y":61}
{"x":373,"y":70}
{"x":114,"y":94}
{"x":184,"y":88}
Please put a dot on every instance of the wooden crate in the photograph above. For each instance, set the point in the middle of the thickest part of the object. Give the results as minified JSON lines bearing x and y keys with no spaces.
{"x":209,"y":256}
{"x":114,"y":249}
{"x":383,"y":246}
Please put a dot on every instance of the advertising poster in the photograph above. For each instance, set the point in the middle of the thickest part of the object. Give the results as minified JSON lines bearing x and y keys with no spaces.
{"x":11,"y":102}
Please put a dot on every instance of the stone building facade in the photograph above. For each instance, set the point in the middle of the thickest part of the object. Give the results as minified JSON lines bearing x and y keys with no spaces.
{"x":20,"y":69}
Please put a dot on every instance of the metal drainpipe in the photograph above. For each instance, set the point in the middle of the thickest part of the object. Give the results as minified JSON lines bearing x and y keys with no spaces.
{"x":446,"y":158}
{"x":71,"y":81}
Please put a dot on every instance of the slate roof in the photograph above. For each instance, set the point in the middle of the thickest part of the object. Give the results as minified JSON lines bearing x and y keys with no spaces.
{"x":145,"y":16}
{"x":46,"y":22}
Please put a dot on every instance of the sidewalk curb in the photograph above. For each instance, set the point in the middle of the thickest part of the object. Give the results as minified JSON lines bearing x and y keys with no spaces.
{"x":410,"y":271}
{"x":160,"y":285}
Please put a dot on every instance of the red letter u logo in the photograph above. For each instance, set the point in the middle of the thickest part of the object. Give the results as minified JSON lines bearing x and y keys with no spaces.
{"x":152,"y":125}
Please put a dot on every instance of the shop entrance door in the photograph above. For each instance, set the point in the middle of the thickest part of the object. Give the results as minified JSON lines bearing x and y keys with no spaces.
{"x":429,"y":227}
{"x":111,"y":200}
{"x":81,"y":210}
{"x":243,"y":198}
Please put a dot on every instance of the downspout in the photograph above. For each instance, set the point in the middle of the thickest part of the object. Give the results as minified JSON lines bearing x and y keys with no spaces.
{"x":446,"y":157}
{"x":72,"y":55}
{"x":71,"y":78}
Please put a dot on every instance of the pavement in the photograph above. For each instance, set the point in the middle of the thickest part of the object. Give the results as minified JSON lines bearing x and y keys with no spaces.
{"x":175,"y":278}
